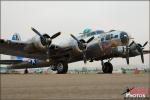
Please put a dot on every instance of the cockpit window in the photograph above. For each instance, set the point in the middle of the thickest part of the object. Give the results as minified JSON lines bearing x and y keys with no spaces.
{"x":99,"y":31}
{"x":95,"y":33}
{"x":90,"y":34}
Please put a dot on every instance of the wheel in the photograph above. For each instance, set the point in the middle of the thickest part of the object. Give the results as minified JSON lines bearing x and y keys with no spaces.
{"x":26,"y":71}
{"x":62,"y":68}
{"x":107,"y":67}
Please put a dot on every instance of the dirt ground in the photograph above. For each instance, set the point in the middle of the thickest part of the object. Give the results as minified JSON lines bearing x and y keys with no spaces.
{"x":69,"y":86}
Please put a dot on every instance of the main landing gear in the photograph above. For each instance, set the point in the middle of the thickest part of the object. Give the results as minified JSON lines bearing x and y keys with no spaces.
{"x":61,"y":67}
{"x":107,"y":67}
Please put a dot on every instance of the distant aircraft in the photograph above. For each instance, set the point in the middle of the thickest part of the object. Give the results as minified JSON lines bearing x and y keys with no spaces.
{"x":88,"y":46}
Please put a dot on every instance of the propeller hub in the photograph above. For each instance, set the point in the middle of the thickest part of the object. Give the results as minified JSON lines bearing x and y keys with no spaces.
{"x":48,"y":41}
{"x":45,"y":40}
{"x":82,"y":46}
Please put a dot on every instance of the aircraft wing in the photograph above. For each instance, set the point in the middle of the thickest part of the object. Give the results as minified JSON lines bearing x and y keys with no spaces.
{"x":146,"y":51}
{"x":26,"y":64}
{"x":28,"y":50}
{"x":15,"y":48}
{"x":7,"y":62}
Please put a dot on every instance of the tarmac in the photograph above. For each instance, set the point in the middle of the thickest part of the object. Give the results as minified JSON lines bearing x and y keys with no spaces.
{"x":69,"y":86}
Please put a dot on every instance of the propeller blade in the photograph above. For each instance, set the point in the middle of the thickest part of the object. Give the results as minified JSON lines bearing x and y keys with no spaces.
{"x":55,"y":35}
{"x":127,"y":52}
{"x":84,"y":56}
{"x":89,"y":40}
{"x":82,"y":46}
{"x":48,"y":53}
{"x":131,"y":43}
{"x":142,"y":57}
{"x":145,"y":44}
{"x":38,"y":33}
{"x":127,"y":55}
{"x":127,"y":60}
{"x":140,"y":50}
{"x":84,"y":61}
{"x":74,"y":37}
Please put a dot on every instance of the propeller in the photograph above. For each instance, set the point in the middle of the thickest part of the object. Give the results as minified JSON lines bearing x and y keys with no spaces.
{"x":46,"y":40}
{"x":127,"y":51}
{"x":145,"y":44}
{"x":140,"y":49}
{"x":38,"y":33}
{"x":82,"y":44}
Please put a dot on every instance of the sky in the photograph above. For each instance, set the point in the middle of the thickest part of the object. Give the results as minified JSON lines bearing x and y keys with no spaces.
{"x":72,"y":17}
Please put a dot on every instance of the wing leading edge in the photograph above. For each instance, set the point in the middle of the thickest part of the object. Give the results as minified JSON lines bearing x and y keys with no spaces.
{"x":17,"y":48}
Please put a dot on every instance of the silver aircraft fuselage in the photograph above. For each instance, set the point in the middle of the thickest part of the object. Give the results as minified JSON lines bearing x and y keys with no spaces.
{"x":104,"y":45}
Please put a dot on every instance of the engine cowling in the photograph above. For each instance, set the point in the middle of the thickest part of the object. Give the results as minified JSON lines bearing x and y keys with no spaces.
{"x":39,"y":43}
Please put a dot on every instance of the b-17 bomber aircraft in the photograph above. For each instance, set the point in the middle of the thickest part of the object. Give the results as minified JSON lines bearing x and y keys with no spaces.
{"x":88,"y":46}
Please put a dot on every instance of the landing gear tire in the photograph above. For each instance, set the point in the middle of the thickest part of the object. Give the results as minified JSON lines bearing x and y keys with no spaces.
{"x":26,"y":71}
{"x":62,"y":68}
{"x":107,"y":67}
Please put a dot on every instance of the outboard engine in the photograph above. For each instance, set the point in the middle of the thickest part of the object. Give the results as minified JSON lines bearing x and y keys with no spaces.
{"x":40,"y":43}
{"x":43,"y":41}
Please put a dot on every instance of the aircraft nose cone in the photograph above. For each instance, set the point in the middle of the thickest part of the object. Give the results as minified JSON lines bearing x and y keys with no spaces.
{"x":124,"y":38}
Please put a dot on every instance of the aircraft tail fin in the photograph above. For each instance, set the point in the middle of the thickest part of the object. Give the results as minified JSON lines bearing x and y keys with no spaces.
{"x":16,"y":37}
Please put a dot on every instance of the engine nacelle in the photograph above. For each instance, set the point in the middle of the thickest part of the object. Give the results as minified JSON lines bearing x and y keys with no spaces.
{"x":94,"y":49}
{"x":119,"y":50}
{"x":77,"y":47}
{"x":37,"y":42}
{"x":133,"y":47}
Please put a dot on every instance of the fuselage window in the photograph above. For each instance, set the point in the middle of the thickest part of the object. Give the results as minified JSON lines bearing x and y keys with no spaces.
{"x":93,"y":33}
{"x":111,"y":35}
{"x":116,"y":36}
{"x":102,"y":39}
{"x":108,"y":37}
